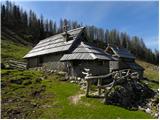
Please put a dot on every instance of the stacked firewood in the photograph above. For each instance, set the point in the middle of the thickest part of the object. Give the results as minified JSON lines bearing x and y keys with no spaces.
{"x":12,"y":64}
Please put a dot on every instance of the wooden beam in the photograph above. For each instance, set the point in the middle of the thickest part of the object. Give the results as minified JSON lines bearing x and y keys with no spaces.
{"x":104,"y":76}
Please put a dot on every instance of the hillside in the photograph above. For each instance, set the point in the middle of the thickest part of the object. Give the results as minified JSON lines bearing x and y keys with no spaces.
{"x":151,"y":74}
{"x":13,"y":46}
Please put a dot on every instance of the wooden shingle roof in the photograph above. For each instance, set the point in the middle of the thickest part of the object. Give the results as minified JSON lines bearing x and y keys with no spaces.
{"x":120,"y":52}
{"x":54,"y":44}
{"x":86,"y":52}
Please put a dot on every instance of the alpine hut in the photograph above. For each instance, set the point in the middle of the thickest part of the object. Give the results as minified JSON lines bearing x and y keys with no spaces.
{"x":123,"y":60}
{"x":69,"y":52}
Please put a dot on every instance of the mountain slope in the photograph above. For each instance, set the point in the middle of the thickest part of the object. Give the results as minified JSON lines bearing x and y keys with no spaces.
{"x":13,"y":46}
{"x":151,"y":74}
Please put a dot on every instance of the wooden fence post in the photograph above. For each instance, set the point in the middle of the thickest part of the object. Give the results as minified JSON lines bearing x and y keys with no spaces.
{"x":88,"y":87}
{"x":105,"y":96}
{"x":99,"y":89}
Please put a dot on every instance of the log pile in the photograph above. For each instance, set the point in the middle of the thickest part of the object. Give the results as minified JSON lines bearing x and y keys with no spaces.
{"x":12,"y":64}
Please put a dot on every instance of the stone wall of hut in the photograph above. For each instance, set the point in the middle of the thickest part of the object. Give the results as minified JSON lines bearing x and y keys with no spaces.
{"x":48,"y":62}
{"x":52,"y":62}
{"x":113,"y":65}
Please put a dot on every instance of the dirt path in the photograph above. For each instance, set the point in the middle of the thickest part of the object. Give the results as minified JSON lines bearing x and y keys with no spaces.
{"x":75,"y":99}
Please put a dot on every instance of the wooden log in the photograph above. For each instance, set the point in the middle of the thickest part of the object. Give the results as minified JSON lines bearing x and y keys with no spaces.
{"x":99,"y":88}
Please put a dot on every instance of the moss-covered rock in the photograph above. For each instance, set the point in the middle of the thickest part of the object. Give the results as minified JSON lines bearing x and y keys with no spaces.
{"x":130,"y":94}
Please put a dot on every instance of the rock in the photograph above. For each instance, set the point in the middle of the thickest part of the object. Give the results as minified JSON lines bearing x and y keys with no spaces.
{"x":146,"y":83}
{"x":119,"y":95}
{"x":78,"y":78}
{"x":156,"y":115}
{"x":129,"y":94}
{"x":72,"y":81}
{"x":46,"y":106}
{"x":94,"y":93}
{"x":140,"y":108}
{"x":82,"y":83}
{"x":62,"y":73}
{"x":148,"y":110}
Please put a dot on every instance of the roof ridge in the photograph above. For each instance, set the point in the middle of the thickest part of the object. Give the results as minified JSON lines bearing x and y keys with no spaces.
{"x":94,"y":57}
{"x":74,"y":29}
{"x":62,"y":33}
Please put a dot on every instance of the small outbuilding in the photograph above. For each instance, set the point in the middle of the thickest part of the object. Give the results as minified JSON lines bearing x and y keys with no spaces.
{"x":87,"y":56}
{"x":123,"y":60}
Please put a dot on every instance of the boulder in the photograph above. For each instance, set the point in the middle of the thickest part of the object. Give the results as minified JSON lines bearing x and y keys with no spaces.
{"x":129,"y":94}
{"x":148,"y":110}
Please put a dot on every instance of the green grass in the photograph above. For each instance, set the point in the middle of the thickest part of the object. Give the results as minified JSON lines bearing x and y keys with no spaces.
{"x":18,"y":100}
{"x":87,"y":108}
{"x":11,"y":50}
{"x":150,"y":73}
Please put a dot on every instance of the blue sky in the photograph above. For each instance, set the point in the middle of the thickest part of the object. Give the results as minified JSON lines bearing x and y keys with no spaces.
{"x":136,"y":18}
